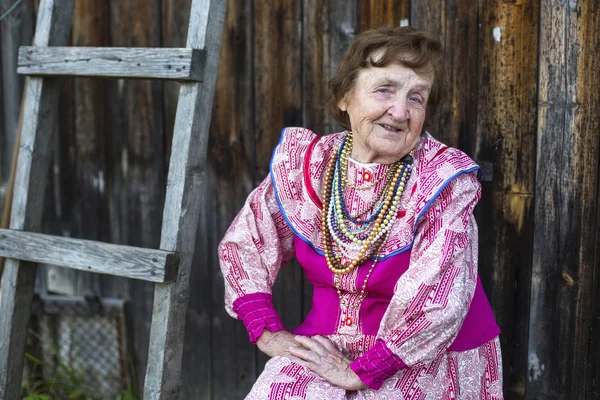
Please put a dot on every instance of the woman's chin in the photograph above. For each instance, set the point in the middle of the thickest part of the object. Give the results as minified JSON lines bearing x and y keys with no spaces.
{"x":386,"y":138}
{"x":387,"y":155}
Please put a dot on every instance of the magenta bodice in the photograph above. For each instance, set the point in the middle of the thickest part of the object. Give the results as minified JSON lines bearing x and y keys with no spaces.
{"x":478,"y":328}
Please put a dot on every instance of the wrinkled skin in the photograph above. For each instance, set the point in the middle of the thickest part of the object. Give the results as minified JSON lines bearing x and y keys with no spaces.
{"x":322,"y":357}
{"x":387,"y":110}
{"x":317,"y":353}
{"x":276,"y":343}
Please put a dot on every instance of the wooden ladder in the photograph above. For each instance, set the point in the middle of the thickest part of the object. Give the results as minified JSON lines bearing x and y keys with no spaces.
{"x":196,"y":66}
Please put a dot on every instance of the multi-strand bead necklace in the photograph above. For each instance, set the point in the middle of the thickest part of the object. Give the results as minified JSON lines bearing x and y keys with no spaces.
{"x":369,"y":232}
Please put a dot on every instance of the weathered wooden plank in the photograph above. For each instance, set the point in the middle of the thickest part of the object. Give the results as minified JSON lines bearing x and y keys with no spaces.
{"x":183,"y":202}
{"x":10,"y":184}
{"x":316,"y":67}
{"x":506,"y":129}
{"x":80,"y":175}
{"x":343,"y":27}
{"x":455,"y":120}
{"x":429,"y":15}
{"x":53,"y":26}
{"x":592,"y":389}
{"x":174,"y":28}
{"x":196,"y":362}
{"x":78,"y":305}
{"x":377,"y":13}
{"x":460,"y":18}
{"x":16,"y":29}
{"x":137,"y":172}
{"x":278,"y":79}
{"x":4,"y":153}
{"x":88,"y":255}
{"x":316,"y":61}
{"x":232,"y":361}
{"x":568,"y":149}
{"x":499,"y":72}
{"x":278,"y":91}
{"x":114,"y":62}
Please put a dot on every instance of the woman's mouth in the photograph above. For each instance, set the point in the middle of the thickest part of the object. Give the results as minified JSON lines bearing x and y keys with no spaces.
{"x":390,"y":128}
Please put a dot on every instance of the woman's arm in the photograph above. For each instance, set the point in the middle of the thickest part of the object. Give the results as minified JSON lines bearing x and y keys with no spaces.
{"x":432,"y":298}
{"x":253,"y":249}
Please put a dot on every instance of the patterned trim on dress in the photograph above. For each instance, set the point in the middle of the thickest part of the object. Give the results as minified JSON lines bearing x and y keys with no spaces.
{"x":436,"y":166}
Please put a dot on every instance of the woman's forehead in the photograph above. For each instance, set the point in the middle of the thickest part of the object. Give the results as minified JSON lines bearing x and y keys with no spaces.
{"x":395,"y":75}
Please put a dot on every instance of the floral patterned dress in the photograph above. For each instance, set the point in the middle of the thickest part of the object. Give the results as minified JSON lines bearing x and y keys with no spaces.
{"x":425,"y":329}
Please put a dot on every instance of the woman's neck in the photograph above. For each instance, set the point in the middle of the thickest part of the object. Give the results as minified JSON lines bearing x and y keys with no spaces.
{"x":371,"y":157}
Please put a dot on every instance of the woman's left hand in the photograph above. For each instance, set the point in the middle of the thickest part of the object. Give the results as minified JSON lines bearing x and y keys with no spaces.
{"x":322,"y":357}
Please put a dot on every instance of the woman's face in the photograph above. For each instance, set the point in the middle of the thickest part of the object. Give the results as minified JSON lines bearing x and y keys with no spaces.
{"x":387,"y":111}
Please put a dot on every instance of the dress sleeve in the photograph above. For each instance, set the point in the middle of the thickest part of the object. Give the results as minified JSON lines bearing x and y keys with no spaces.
{"x":253,"y":249}
{"x":432,"y":297}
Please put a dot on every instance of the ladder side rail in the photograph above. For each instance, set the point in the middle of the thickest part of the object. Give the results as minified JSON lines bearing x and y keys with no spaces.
{"x":40,"y":111}
{"x":89,"y":255}
{"x":183,"y":203}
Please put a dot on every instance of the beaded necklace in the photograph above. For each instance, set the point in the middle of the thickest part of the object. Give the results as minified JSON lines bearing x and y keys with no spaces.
{"x":371,"y":208}
{"x":340,"y":178}
{"x":371,"y":235}
{"x":363,"y":293}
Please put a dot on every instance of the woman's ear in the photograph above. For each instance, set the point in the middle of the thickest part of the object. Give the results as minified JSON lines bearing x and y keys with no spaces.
{"x":343,"y":104}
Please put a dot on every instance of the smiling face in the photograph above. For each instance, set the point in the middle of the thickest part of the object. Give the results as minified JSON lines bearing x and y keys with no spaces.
{"x":387,"y":109}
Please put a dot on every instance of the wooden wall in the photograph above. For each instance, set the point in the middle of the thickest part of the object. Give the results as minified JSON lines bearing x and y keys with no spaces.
{"x":523,"y":100}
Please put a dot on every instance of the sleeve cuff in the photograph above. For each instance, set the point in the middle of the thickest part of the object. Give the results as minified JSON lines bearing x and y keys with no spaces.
{"x":377,"y":365}
{"x":257,"y":313}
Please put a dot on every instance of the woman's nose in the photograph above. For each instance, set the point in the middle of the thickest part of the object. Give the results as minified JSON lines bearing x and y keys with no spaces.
{"x":399,"y":110}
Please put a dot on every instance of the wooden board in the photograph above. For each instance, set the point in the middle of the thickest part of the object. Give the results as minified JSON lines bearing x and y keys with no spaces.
{"x":15,"y":30}
{"x":560,"y":357}
{"x":137,"y":161}
{"x":183,"y":203}
{"x":114,"y":62}
{"x":506,"y":130}
{"x":429,"y":15}
{"x":81,"y":181}
{"x":343,"y":25}
{"x":315,"y":49}
{"x":231,"y":159}
{"x":373,"y":14}
{"x":278,"y":91}
{"x":77,"y":305}
{"x":197,"y":360}
{"x":38,"y":121}
{"x":87,"y":255}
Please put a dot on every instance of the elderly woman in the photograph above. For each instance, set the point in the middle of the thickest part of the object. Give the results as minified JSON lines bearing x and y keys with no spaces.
{"x":380,"y":217}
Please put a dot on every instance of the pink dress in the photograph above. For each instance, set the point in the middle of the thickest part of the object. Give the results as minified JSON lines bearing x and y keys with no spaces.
{"x":425,"y":330}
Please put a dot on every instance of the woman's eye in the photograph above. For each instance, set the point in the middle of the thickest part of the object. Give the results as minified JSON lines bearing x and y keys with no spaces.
{"x":416,"y":100}
{"x":383,"y":90}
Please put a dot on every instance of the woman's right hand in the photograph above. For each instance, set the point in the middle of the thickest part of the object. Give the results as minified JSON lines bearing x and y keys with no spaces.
{"x":276,"y":343}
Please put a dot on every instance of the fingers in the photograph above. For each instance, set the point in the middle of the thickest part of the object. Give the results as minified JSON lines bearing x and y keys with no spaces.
{"x":298,"y":361}
{"x":318,"y":344}
{"x":304,"y":354}
{"x":326,"y":343}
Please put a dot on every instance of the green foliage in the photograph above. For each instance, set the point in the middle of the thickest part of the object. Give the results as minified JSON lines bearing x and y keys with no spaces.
{"x":65,"y":383}
{"x":128,"y":395}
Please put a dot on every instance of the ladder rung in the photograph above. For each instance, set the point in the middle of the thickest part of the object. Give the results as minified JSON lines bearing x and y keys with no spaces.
{"x":88,"y":255}
{"x":48,"y":304}
{"x":115,"y":62}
